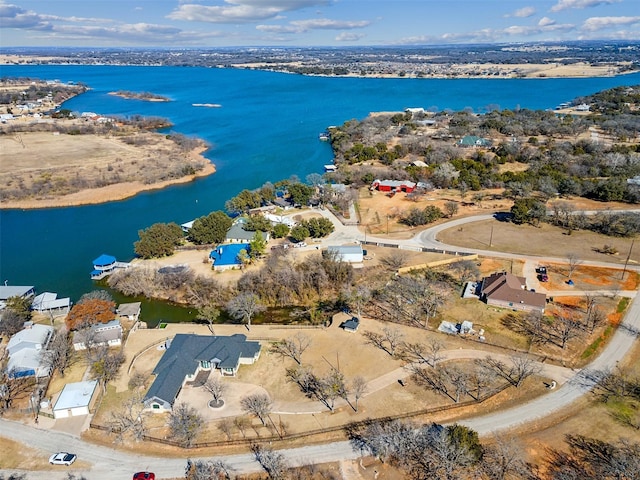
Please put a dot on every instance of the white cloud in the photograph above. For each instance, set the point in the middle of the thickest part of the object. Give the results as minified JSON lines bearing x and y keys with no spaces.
{"x":522,"y":12}
{"x":301,"y":26}
{"x":349,"y":37}
{"x":240,"y":11}
{"x":599,"y":23}
{"x":546,"y":21}
{"x":580,"y":4}
{"x":13,"y":16}
{"x":326,"y":24}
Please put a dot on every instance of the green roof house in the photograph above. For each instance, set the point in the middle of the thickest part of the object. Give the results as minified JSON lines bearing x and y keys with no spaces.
{"x":473,"y":141}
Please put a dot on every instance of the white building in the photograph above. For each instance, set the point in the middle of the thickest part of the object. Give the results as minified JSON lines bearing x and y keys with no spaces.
{"x":75,"y":399}
{"x":25,"y":350}
{"x":347,"y":253}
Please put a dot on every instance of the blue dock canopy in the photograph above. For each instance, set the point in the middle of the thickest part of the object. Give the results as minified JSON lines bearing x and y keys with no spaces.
{"x":103,"y":260}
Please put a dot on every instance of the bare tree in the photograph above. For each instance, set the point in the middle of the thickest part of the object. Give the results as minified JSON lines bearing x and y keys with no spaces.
{"x":566,"y":326}
{"x":13,"y":389}
{"x":59,"y":353}
{"x":207,"y":470}
{"x":395,"y":260}
{"x":129,"y":419}
{"x":573,"y":262}
{"x":271,"y":461}
{"x":292,"y":347}
{"x":504,"y":458}
{"x":520,"y":369}
{"x":305,"y":378}
{"x":330,"y":387}
{"x":258,"y":404}
{"x":106,"y":366}
{"x":244,"y":307}
{"x":226,"y":426}
{"x":467,"y":269}
{"x":185,"y":424}
{"x":242,"y":423}
{"x":393,"y":337}
{"x":434,"y":348}
{"x":216,"y":388}
{"x":358,"y":389}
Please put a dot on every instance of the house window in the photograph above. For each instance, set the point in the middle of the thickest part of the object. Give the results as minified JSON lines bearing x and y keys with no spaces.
{"x":155,"y":406}
{"x":205,"y":364}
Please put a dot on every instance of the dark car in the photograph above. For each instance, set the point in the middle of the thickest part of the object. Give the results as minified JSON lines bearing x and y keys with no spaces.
{"x":542,"y":270}
{"x":144,"y":476}
{"x":543,"y":277}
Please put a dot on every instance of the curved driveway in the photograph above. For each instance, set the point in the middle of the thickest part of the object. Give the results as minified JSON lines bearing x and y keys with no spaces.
{"x":111,"y":464}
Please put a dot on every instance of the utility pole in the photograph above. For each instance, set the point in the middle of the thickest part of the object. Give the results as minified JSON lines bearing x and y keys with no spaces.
{"x":626,"y":262}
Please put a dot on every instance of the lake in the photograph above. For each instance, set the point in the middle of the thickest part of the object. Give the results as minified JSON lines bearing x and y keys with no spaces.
{"x":265,"y":130}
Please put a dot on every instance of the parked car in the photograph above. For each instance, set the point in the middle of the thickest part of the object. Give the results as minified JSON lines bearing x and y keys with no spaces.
{"x":543,"y":277}
{"x":144,"y":476}
{"x":62,"y":458}
{"x":542,"y":270}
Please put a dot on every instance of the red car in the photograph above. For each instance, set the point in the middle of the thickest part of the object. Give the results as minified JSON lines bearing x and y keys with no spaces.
{"x":144,"y":476}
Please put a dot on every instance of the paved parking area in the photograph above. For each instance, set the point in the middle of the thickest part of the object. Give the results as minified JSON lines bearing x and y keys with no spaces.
{"x":199,"y":398}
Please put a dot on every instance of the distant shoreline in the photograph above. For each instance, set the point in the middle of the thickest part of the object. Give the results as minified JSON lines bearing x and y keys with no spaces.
{"x":435,"y":71}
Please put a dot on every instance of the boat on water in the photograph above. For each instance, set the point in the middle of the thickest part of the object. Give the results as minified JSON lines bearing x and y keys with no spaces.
{"x":324,"y":136}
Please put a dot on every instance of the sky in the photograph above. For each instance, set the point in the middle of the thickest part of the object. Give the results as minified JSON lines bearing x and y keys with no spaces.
{"x":229,"y":23}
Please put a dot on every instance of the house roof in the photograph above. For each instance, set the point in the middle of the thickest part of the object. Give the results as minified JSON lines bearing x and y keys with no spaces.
{"x":49,"y":301}
{"x":128,"y":309}
{"x":352,"y":324}
{"x":101,"y":332}
{"x":35,"y":334}
{"x":346,"y":249}
{"x":185,"y":353}
{"x":75,"y":395}
{"x":474,"y":141}
{"x":227,"y":254}
{"x":104,"y":259}
{"x":236,"y":232}
{"x":8,"y":291}
{"x":24,"y":360}
{"x":506,"y":287}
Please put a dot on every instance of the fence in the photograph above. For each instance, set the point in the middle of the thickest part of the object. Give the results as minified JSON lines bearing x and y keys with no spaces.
{"x":437,"y":263}
{"x":319,"y":431}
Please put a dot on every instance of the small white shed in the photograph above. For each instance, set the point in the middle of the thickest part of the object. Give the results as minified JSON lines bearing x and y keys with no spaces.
{"x":347,"y":253}
{"x":75,"y":399}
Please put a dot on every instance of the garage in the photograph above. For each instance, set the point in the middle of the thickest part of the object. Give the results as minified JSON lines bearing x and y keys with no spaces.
{"x":75,"y":399}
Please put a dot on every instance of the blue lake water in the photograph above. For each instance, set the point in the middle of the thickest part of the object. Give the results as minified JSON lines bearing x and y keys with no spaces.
{"x":266,"y":130}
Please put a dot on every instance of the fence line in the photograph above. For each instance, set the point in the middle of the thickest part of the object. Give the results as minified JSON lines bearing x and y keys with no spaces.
{"x":310,"y":433}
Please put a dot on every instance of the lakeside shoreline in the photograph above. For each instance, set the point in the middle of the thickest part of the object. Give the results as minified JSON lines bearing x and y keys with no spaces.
{"x":110,"y":193}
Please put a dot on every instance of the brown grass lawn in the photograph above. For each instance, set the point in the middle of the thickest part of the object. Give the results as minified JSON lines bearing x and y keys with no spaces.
{"x":545,"y":241}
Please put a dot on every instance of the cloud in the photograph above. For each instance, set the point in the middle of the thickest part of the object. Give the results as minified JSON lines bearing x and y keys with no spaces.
{"x":546,"y":21}
{"x":349,"y":37}
{"x":13,"y":16}
{"x":600,"y":23}
{"x":240,"y":11}
{"x":580,"y":4}
{"x":489,"y":35}
{"x":301,"y":26}
{"x":326,"y":24}
{"x":522,"y":12}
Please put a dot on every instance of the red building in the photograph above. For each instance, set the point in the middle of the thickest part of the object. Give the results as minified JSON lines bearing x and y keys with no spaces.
{"x":393,"y":186}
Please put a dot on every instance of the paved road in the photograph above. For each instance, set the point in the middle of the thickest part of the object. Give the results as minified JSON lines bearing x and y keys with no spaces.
{"x":111,"y":464}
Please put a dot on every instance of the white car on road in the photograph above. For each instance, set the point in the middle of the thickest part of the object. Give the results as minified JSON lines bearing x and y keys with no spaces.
{"x":62,"y":458}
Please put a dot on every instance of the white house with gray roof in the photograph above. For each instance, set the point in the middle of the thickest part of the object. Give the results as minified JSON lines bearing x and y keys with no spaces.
{"x":190,"y":354}
{"x":25,"y":350}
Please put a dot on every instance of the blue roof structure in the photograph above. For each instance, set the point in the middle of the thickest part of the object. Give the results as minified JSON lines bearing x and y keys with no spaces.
{"x":227,"y":254}
{"x":103,"y":260}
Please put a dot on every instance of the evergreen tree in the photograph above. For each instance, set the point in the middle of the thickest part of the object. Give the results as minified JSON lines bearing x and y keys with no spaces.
{"x":210,"y":229}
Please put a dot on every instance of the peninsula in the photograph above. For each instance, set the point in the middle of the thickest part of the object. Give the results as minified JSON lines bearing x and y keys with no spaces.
{"x":51,"y":157}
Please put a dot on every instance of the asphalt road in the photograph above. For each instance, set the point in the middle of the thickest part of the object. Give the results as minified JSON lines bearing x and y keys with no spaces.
{"x":112,"y":464}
